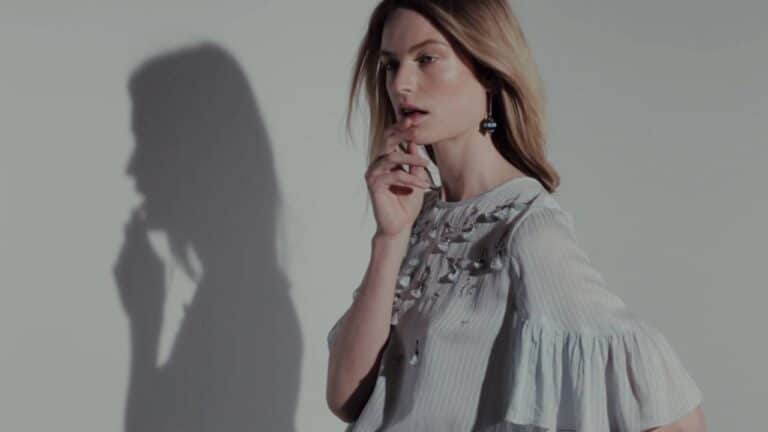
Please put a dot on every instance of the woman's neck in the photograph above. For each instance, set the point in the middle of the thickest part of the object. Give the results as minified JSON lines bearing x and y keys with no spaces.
{"x":471,"y":166}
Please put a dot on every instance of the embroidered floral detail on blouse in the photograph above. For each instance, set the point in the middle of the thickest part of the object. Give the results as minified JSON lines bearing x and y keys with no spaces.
{"x":476,"y":266}
{"x":454,"y":270}
{"x":437,"y":238}
{"x":497,"y":263}
{"x":463,"y":232}
{"x":429,"y":302}
{"x":500,"y":212}
{"x":468,"y":288}
{"x":399,"y":308}
{"x":399,"y":305}
{"x":415,"y":356}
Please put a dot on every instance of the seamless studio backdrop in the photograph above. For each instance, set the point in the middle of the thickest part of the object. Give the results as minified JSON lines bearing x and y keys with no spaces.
{"x":226,"y":121}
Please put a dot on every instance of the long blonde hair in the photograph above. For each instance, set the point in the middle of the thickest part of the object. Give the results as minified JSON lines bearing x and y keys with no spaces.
{"x":488,"y":34}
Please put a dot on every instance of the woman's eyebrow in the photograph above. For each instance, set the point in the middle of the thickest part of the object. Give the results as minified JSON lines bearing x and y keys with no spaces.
{"x":386,"y":53}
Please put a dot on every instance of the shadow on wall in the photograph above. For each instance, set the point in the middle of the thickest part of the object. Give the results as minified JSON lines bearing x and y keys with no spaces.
{"x":204,"y":165}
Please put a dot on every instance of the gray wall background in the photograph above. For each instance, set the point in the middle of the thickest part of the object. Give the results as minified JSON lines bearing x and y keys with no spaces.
{"x":658,"y":127}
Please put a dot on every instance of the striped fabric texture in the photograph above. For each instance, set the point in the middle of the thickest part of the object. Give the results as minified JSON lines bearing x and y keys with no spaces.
{"x":502,"y":323}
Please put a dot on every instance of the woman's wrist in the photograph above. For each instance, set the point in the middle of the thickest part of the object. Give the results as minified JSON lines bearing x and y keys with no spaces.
{"x":392,"y":239}
{"x":388,"y":243}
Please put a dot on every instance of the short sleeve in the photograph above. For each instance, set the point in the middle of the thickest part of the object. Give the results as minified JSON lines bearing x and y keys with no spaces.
{"x":580,"y":359}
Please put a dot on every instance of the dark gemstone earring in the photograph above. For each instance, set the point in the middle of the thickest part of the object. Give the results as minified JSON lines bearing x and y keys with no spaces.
{"x":488,"y":124}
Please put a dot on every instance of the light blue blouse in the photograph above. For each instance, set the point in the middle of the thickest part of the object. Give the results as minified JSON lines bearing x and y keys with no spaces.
{"x":501,"y":323}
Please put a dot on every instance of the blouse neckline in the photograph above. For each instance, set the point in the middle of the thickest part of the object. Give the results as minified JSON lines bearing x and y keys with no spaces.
{"x":474,"y":199}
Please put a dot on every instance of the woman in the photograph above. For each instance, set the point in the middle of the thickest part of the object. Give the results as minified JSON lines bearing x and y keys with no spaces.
{"x":479,"y":311}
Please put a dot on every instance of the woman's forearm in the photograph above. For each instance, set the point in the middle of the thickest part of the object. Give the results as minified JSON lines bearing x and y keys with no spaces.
{"x":363,"y":333}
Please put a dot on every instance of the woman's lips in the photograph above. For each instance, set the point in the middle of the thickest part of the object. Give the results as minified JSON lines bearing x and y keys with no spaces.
{"x":417,"y":116}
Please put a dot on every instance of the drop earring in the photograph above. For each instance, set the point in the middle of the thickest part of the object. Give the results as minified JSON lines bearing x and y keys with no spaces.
{"x":488,"y":124}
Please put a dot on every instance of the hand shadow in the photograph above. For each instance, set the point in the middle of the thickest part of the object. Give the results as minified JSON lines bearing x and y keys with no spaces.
{"x":203,"y":163}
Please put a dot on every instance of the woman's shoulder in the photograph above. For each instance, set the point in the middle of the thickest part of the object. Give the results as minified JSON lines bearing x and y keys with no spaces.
{"x":539,"y":212}
{"x":532,"y":196}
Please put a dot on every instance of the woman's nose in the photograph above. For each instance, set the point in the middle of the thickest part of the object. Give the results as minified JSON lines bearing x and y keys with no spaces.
{"x":404,"y":80}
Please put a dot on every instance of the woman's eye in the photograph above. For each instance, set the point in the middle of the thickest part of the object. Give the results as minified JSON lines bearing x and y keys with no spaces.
{"x":391,"y":65}
{"x":388,"y":65}
{"x":431,"y":58}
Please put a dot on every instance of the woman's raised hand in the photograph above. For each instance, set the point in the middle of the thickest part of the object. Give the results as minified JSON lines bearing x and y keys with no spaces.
{"x":397,"y":194}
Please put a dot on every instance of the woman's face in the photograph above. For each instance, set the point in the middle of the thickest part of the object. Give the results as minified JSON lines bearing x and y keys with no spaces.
{"x":430,"y":76}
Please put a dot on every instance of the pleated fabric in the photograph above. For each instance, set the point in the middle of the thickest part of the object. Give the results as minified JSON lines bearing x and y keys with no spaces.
{"x":501,"y":323}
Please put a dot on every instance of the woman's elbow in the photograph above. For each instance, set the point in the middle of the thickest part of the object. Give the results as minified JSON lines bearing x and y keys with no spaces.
{"x":341,"y":414}
{"x":692,"y":422}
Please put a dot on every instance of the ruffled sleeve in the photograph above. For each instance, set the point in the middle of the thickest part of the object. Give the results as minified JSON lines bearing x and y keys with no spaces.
{"x":578,"y":359}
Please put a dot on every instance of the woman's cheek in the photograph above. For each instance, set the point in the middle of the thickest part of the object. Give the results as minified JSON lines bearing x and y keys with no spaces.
{"x":446,"y":73}
{"x":446,"y":123}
